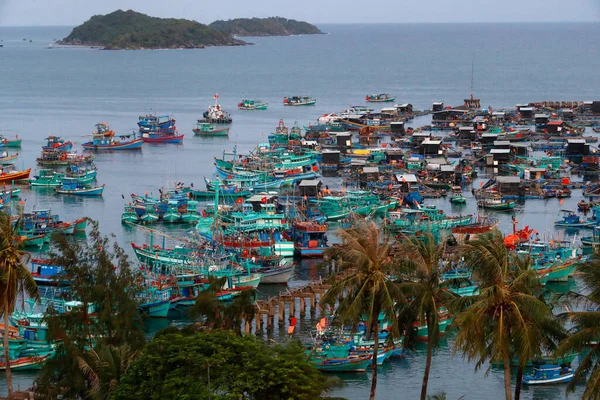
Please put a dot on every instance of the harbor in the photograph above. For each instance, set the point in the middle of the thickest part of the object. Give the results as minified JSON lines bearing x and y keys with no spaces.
{"x":274,"y":190}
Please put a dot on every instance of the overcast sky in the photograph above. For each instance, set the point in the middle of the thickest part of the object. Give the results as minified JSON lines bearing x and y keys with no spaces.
{"x":74,"y":12}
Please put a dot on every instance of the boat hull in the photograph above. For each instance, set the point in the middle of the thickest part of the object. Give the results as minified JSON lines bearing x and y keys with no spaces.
{"x":173,"y":139}
{"x":17,"y":176}
{"x":159,"y":309}
{"x":97,"y":191}
{"x":131,"y":145}
{"x":278,"y":275}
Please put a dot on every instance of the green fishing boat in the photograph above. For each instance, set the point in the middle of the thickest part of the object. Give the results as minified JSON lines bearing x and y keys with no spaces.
{"x":190,"y":218}
{"x":172,"y":215}
{"x":497,"y":204}
{"x":209,"y":130}
{"x":129,"y":216}
{"x":457,"y":196}
{"x":47,"y":178}
{"x":12,"y":143}
{"x":252,"y":105}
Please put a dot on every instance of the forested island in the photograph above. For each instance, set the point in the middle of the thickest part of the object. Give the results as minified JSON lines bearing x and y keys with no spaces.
{"x":274,"y":26}
{"x":131,"y":30}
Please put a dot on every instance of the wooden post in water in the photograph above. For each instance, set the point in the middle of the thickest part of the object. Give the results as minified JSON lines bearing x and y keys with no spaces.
{"x":246,"y":327}
{"x":281,"y":312}
{"x":292,"y":307}
{"x":302,"y":306}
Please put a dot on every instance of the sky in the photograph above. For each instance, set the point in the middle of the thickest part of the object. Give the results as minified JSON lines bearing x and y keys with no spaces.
{"x":75,"y":12}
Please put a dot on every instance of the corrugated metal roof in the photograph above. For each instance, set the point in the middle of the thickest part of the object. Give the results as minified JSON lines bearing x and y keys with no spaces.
{"x":410,"y":178}
{"x":508,"y":179}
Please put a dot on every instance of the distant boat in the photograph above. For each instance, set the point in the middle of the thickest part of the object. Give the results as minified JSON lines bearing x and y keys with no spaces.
{"x":208,"y":129}
{"x":549,"y":374}
{"x":299,"y":101}
{"x":215,"y":114}
{"x":103,"y":139}
{"x":76,"y":188}
{"x":252,"y":105}
{"x":380,"y":98}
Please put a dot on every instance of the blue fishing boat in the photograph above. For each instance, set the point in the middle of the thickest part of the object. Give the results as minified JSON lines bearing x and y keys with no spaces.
{"x":57,"y":143}
{"x":310,"y":238}
{"x":45,"y":273}
{"x":104,"y":139}
{"x":148,"y":123}
{"x":79,"y":189}
{"x":572,"y":220}
{"x":547,"y":374}
{"x":156,"y":302}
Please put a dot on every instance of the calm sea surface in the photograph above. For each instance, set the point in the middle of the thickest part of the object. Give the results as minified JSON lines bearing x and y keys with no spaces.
{"x":66,"y":91}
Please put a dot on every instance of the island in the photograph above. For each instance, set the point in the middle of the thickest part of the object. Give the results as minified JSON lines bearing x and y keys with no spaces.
{"x":131,"y":30}
{"x":273,"y":26}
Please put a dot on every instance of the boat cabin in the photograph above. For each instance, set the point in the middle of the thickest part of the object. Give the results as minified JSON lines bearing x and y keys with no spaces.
{"x":555,"y":127}
{"x":257,"y":200}
{"x":437,"y":106}
{"x":541,"y":119}
{"x":309,"y":187}
{"x":430,"y":147}
{"x":397,"y":127}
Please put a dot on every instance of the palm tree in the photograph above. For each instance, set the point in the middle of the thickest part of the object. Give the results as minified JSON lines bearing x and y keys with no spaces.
{"x":586,"y":328}
{"x":218,"y":315}
{"x":420,"y":259}
{"x":500,"y":323}
{"x":365,"y":290}
{"x":103,"y":368}
{"x":16,"y":280}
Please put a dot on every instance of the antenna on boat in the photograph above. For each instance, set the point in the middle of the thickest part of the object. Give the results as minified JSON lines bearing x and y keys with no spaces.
{"x":472,"y":75}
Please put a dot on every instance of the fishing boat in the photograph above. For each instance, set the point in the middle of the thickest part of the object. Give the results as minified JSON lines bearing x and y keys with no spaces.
{"x":47,"y":178}
{"x":209,"y":129}
{"x":155,"y":302}
{"x":572,"y":220}
{"x":57,"y":143}
{"x":380,"y":98}
{"x":299,"y":101}
{"x":104,"y":139}
{"x":252,"y":105}
{"x":12,"y":143}
{"x":153,"y":123}
{"x":26,"y":363}
{"x":159,"y":137}
{"x":349,"y":364}
{"x":584,"y":206}
{"x":45,"y":273}
{"x":496,"y":203}
{"x":6,"y":159}
{"x":79,"y":189}
{"x":547,"y":374}
{"x":11,"y":176}
{"x":310,"y":238}
{"x":215,"y":114}
{"x":457,"y":196}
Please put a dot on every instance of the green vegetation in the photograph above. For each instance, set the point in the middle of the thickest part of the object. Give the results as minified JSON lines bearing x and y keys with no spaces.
{"x":15,"y":280}
{"x":274,"y":26}
{"x":133,"y":30}
{"x":220,"y":365}
{"x":103,"y":334}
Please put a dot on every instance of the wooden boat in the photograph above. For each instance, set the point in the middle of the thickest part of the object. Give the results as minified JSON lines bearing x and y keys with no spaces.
{"x":299,"y":101}
{"x":349,"y":364}
{"x":104,"y":139}
{"x":7,"y":159}
{"x":457,"y":196}
{"x":47,"y":178}
{"x":207,"y":129}
{"x":546,"y":374}
{"x":572,"y":220}
{"x":310,"y":238}
{"x":14,"y":175}
{"x":75,"y":188}
{"x":12,"y":143}
{"x":57,"y":143}
{"x":159,"y":137}
{"x":496,"y":203}
{"x":26,"y":363}
{"x":252,"y":105}
{"x":380,"y":98}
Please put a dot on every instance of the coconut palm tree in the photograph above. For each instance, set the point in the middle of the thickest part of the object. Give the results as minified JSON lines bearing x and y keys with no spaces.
{"x":103,"y":368}
{"x":499,"y":324}
{"x":15,"y":280}
{"x":420,"y":260}
{"x":365,"y":290}
{"x":586,"y":329}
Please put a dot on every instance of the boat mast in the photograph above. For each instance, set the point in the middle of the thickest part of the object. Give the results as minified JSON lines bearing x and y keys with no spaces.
{"x":472,"y":76}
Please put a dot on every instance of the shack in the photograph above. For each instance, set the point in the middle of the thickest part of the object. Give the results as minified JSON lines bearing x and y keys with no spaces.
{"x":519,"y":149}
{"x":555,"y":127}
{"x":393,"y":156}
{"x":577,"y":147}
{"x":489,"y":138}
{"x":331,"y":158}
{"x":369,"y":174}
{"x":541,"y":119}
{"x":509,"y":185}
{"x":405,"y":181}
{"x":466,"y":133}
{"x":344,"y":141}
{"x":437,"y":106}
{"x":430,"y":147}
{"x":309,"y":187}
{"x":536,"y":174}
{"x":451,"y":114}
{"x":419,"y":137}
{"x":406,"y":108}
{"x":527,"y":112}
{"x":567,"y":114}
{"x":499,"y":156}
{"x":397,"y":127}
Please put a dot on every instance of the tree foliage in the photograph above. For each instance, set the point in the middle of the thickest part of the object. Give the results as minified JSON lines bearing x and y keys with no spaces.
{"x":106,"y":320}
{"x":221,"y":364}
{"x":273,"y":26}
{"x":132,"y":30}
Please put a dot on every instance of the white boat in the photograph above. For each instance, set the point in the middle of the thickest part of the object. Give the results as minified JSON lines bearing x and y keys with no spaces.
{"x":280,"y":274}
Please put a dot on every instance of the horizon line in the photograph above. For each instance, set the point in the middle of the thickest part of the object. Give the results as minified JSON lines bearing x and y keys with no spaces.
{"x":373,"y":23}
